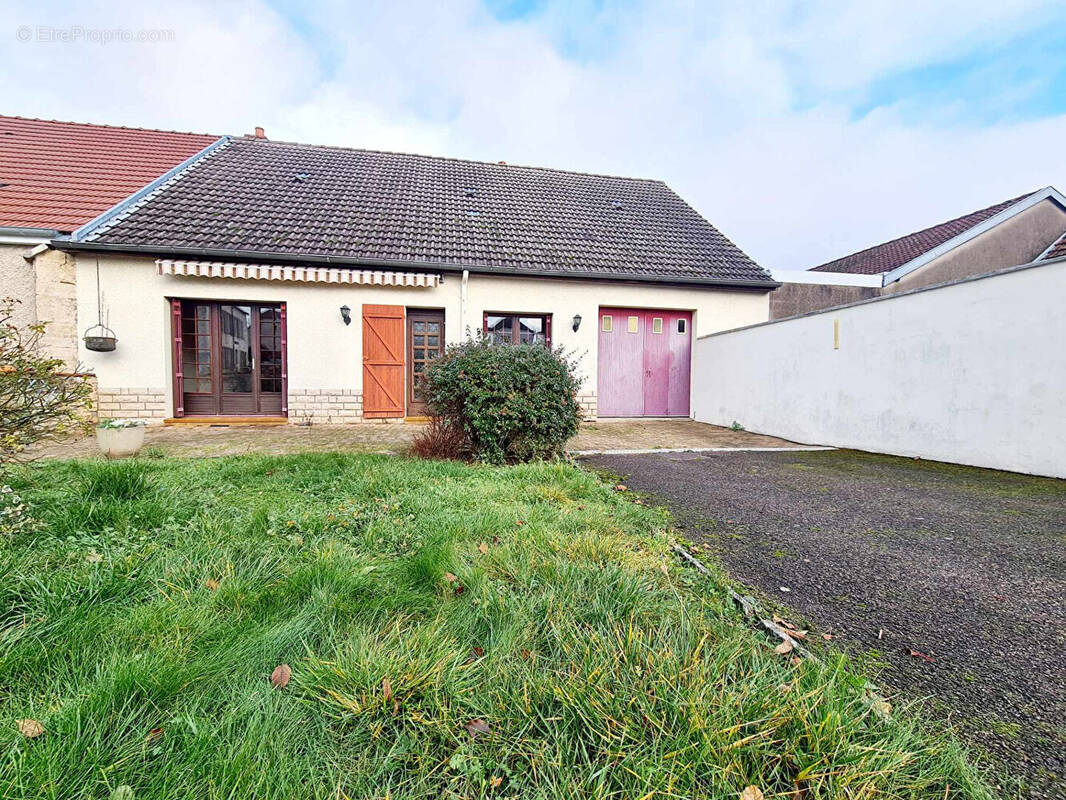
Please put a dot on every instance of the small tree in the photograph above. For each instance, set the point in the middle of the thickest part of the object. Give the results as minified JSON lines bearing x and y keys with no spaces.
{"x":37,"y":399}
{"x":512,"y":402}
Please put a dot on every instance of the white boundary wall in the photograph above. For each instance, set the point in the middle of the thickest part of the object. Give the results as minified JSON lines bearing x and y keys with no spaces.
{"x":970,"y":372}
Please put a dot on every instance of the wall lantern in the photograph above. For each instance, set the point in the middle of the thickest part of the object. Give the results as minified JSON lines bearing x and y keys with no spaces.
{"x":346,"y":315}
{"x":577,"y":322}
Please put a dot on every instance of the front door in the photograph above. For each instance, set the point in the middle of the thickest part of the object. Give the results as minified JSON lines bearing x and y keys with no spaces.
{"x":232,"y":358}
{"x":644,"y":363}
{"x":425,"y":342}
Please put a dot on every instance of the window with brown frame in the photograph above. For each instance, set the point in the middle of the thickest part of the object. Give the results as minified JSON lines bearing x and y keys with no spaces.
{"x":519,"y":328}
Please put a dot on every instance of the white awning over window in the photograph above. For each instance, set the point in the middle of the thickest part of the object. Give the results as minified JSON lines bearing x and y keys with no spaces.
{"x":279,"y":272}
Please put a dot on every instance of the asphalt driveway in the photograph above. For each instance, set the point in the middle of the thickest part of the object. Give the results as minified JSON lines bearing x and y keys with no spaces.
{"x":951,"y":579}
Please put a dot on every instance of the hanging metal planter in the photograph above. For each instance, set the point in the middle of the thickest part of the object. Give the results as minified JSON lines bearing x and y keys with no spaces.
{"x":100,"y":339}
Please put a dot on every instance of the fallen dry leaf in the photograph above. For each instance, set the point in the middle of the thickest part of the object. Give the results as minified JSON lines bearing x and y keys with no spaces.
{"x":520,"y":522}
{"x":784,"y":648}
{"x":155,"y":733}
{"x":621,"y":488}
{"x":460,"y":589}
{"x":665,"y":570}
{"x":212,"y":584}
{"x":827,"y":636}
{"x":93,"y":557}
{"x":921,"y":655}
{"x":881,"y":707}
{"x":526,"y":654}
{"x":450,"y":578}
{"x":495,"y":781}
{"x":752,"y":793}
{"x":386,"y":688}
{"x":483,"y":548}
{"x":476,"y":726}
{"x":30,"y":728}
{"x":796,"y":661}
{"x":495,"y":539}
{"x":280,"y":676}
{"x":796,"y":634}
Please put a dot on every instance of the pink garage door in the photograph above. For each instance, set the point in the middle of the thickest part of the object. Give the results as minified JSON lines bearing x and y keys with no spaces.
{"x":644,"y":359}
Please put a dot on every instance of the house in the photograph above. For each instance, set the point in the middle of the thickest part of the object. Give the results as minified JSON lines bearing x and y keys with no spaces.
{"x":274,"y":281}
{"x":1007,"y":234}
{"x":54,"y":178}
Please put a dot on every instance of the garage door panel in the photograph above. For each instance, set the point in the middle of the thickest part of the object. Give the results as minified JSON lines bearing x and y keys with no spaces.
{"x":621,"y":363}
{"x":656,"y":365}
{"x":679,"y":337}
{"x":644,"y":362}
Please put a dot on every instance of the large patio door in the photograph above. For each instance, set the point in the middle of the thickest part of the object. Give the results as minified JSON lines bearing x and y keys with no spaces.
{"x":232,"y":358}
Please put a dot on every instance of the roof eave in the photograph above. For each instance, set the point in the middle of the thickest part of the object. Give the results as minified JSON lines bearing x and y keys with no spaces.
{"x":11,"y":234}
{"x":73,"y":245}
{"x":1048,"y":192}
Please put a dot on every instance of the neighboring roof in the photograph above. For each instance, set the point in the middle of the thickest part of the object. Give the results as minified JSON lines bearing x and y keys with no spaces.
{"x":254,"y":198}
{"x":1057,"y":250}
{"x":890,"y":255}
{"x":60,"y":175}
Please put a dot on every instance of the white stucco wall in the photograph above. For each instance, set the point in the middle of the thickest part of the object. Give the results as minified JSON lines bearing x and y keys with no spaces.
{"x":325,"y":355}
{"x":972,"y":372}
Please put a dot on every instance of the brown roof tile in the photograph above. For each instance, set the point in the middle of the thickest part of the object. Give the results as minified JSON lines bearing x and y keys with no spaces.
{"x":1057,"y":250}
{"x":272,"y":198}
{"x":886,"y":257}
{"x":60,"y":175}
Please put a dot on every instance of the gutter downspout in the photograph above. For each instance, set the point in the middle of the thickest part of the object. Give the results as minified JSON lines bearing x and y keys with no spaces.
{"x":463,"y":302}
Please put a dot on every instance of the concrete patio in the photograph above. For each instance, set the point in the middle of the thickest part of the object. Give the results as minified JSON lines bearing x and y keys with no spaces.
{"x":208,"y":441}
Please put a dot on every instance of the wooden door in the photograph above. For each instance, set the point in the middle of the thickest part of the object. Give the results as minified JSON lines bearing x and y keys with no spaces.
{"x":679,"y":333}
{"x":425,"y":342}
{"x":383,"y":363}
{"x":620,"y":383}
{"x":656,"y":375}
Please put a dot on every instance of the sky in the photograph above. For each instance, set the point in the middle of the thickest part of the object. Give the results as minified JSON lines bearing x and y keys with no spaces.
{"x":803,"y":130}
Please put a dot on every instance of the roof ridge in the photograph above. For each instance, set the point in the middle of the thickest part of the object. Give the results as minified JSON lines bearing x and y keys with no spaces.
{"x":265,"y":142}
{"x":104,"y":125}
{"x":1004,"y":204}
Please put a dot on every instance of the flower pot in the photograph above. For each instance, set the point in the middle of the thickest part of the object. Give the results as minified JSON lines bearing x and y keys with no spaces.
{"x":120,"y":442}
{"x":100,"y":344}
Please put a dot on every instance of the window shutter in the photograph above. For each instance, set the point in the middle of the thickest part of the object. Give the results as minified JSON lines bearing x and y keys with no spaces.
{"x":383,"y":361}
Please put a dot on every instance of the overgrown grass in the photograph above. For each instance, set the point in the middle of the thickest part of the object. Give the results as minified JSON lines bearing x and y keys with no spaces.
{"x":600,"y":666}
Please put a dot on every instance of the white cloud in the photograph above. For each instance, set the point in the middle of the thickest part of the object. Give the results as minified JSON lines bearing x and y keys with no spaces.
{"x":746,"y":109}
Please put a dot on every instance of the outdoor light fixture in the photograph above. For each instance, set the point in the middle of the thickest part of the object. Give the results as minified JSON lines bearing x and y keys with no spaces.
{"x":346,"y":315}
{"x":577,"y":322}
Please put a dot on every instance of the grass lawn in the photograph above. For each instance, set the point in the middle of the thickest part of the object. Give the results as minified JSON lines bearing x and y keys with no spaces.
{"x":452,"y":631}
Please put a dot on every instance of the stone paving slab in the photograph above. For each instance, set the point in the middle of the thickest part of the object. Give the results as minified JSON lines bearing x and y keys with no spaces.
{"x":207,"y":441}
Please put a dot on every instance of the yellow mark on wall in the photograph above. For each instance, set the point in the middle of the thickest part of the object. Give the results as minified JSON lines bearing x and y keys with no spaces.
{"x":836,"y":334}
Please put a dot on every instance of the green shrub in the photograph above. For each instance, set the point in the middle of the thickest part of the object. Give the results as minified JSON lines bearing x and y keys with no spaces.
{"x":513,"y":402}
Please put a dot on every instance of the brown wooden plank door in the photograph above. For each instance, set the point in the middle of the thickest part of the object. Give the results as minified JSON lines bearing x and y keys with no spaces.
{"x":425,"y":342}
{"x":383,"y":362}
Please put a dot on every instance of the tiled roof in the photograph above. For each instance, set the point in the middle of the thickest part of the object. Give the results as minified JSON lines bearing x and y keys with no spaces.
{"x":60,"y":175}
{"x":1057,"y":250}
{"x":271,"y":199}
{"x":886,"y":257}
